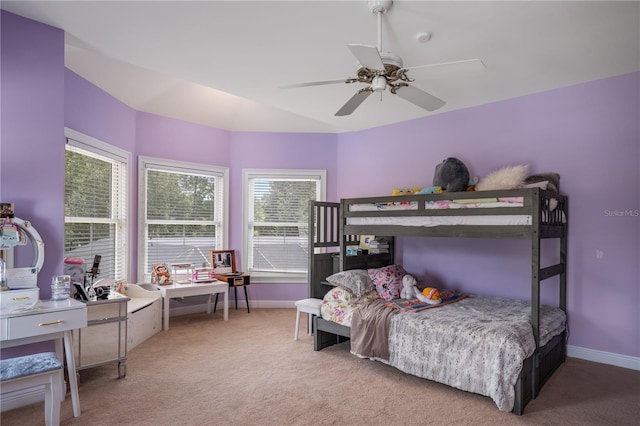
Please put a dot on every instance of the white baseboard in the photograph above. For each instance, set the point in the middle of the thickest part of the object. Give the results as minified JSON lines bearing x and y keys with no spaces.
{"x":603,"y":357}
{"x":258,"y":304}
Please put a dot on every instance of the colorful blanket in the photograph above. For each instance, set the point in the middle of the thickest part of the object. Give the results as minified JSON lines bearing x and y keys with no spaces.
{"x":416,"y":305}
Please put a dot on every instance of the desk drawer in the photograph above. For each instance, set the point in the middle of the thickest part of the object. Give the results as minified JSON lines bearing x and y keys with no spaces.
{"x":235,"y":280}
{"x":12,"y":299}
{"x":107,"y":311}
{"x":52,"y":322}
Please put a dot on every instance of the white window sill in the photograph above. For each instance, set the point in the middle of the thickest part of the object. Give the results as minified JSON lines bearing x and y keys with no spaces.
{"x":265,"y":277}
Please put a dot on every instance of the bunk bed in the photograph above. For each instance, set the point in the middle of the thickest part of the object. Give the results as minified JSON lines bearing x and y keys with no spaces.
{"x":530,"y":213}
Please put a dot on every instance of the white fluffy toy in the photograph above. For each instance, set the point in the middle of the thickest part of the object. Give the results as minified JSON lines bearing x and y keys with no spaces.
{"x":410,"y":290}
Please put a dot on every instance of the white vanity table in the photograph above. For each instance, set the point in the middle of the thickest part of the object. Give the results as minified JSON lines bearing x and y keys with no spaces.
{"x":41,"y":321}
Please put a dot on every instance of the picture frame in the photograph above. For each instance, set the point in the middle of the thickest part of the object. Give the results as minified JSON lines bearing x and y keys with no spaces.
{"x":160,"y":274}
{"x":365,"y":240}
{"x":223,"y":261}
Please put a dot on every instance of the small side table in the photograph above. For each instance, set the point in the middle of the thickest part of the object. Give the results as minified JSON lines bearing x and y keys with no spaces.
{"x":193,"y":289}
{"x":104,"y":340}
{"x":235,"y":281}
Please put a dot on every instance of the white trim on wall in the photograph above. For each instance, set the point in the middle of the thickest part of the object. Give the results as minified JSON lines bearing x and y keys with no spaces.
{"x":624,"y":361}
{"x":249,"y":173}
{"x":95,"y":146}
{"x":176,"y":166}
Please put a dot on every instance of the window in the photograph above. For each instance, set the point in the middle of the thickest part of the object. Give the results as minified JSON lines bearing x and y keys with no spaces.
{"x":96,"y":204}
{"x":277,"y":220}
{"x":183,"y":210}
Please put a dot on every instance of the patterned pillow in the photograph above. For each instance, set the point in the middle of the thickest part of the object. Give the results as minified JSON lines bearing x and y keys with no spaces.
{"x":388,"y":281}
{"x":336,"y":306}
{"x":339,"y":304}
{"x":357,"y":281}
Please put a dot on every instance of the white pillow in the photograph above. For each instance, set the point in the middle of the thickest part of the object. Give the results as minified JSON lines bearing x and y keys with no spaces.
{"x":509,"y":177}
{"x":357,"y":281}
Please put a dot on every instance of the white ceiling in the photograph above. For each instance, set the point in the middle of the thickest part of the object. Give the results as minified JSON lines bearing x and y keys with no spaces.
{"x":220,"y":63}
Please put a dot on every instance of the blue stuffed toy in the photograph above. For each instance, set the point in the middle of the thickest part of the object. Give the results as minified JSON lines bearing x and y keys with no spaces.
{"x":430,"y":190}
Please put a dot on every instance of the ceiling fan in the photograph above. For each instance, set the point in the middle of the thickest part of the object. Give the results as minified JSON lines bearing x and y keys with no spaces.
{"x":382,"y":71}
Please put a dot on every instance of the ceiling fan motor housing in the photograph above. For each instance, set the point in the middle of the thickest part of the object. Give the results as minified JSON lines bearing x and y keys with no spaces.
{"x":380,"y":6}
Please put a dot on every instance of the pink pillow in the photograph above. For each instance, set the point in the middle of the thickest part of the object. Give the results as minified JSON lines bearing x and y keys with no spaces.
{"x":388,"y":281}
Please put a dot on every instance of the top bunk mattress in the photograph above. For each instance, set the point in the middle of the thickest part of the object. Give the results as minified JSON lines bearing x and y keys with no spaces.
{"x":427,"y":221}
{"x":510,"y":208}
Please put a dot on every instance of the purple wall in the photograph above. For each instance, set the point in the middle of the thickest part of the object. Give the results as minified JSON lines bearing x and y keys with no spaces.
{"x":163,"y":137}
{"x":32,"y":132}
{"x":32,"y":136}
{"x":89,"y":110}
{"x":277,"y":151}
{"x":588,"y":133}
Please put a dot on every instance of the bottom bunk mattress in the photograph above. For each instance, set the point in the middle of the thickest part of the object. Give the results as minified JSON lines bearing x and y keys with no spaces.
{"x":477,"y":344}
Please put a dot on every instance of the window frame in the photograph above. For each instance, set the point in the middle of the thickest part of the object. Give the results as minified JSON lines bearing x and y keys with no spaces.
{"x":183,"y":167}
{"x":247,"y":175}
{"x":98,"y":148}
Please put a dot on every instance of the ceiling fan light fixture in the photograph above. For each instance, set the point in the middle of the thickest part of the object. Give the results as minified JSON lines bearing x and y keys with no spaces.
{"x":379,"y":83}
{"x":381,"y":70}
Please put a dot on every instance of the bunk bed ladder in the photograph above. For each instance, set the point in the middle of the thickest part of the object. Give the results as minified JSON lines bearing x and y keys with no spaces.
{"x":324,"y":242}
{"x":324,"y":246}
{"x":539,"y":374}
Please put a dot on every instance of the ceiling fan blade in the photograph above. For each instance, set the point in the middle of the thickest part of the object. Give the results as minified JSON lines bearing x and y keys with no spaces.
{"x":354,"y":102}
{"x":418,"y":97}
{"x":368,"y":56}
{"x":445,"y":69}
{"x":317,"y":83}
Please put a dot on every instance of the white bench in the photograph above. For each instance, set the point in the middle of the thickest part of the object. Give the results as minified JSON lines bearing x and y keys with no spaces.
{"x":311,"y":307}
{"x":36,"y":370}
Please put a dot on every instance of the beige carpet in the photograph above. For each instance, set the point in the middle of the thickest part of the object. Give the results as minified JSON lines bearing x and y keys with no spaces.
{"x":250,"y":371}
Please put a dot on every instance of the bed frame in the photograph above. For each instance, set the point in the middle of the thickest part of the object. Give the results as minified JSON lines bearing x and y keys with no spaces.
{"x":330,"y":234}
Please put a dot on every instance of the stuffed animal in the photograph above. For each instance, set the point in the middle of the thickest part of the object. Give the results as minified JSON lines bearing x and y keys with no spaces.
{"x":431,"y":190}
{"x":451,"y":175}
{"x":472,"y":184}
{"x":409,"y":287}
{"x":509,"y":177}
{"x":410,"y":291}
{"x":430,"y":295}
{"x":404,"y":191}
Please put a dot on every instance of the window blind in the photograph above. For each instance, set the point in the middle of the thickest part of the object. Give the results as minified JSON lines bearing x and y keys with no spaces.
{"x":278,"y":220}
{"x":96,"y":206}
{"x":183,"y":214}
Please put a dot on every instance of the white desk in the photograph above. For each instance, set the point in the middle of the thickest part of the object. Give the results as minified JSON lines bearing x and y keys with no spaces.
{"x":47,"y":320}
{"x":193,"y":289}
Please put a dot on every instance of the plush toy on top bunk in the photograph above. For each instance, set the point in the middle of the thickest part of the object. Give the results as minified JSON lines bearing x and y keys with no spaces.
{"x":509,"y":177}
{"x":410,"y":291}
{"x":451,"y":175}
{"x":512,"y":177}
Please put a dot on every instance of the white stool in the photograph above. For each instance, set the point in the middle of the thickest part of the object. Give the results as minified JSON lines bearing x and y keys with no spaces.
{"x":311,"y":307}
{"x":35,"y":370}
